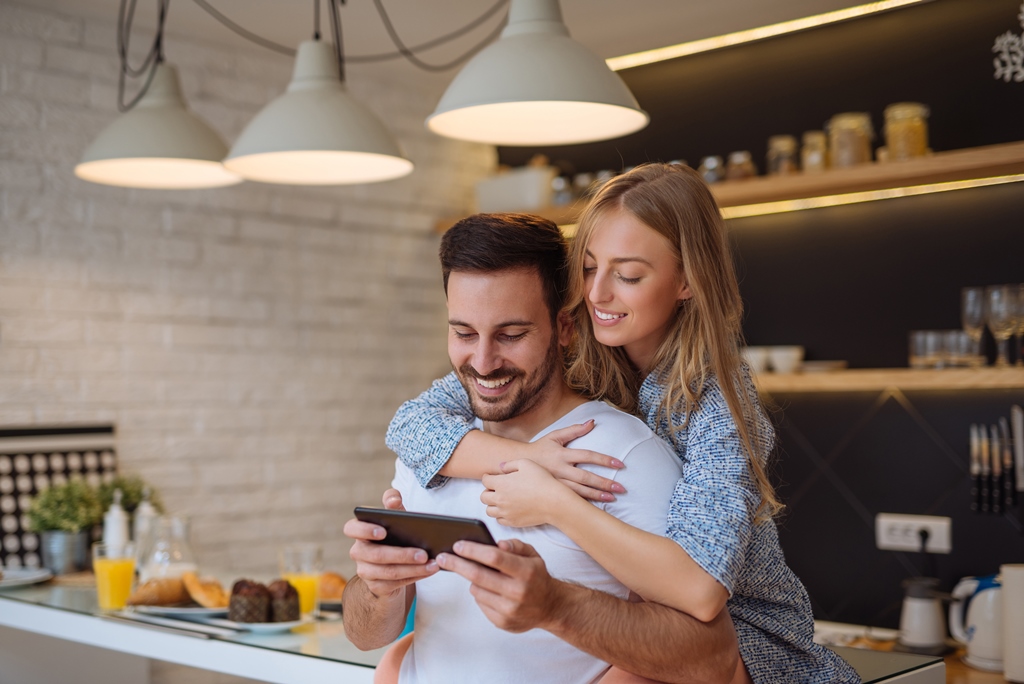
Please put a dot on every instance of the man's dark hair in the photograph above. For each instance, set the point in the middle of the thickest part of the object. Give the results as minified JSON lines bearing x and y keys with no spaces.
{"x":497,"y":242}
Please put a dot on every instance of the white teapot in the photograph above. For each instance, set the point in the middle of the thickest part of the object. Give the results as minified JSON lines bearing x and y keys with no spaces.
{"x":982,"y":627}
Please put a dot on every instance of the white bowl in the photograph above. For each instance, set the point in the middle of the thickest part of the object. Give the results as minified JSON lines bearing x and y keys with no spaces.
{"x":785,"y":359}
{"x":756,"y":358}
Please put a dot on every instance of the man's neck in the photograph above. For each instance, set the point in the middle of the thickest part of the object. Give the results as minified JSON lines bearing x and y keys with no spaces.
{"x":556,"y":403}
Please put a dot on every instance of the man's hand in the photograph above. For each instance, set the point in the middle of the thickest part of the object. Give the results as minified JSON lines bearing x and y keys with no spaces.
{"x":386,"y":570}
{"x":510,"y":582}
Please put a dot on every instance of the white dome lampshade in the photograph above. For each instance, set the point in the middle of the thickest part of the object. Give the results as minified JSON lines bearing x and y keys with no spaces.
{"x":536,"y":86}
{"x":316,"y":133}
{"x":158,"y":143}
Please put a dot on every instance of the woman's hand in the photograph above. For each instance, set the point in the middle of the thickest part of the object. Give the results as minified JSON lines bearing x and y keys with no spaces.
{"x":525,"y":495}
{"x":551,"y":452}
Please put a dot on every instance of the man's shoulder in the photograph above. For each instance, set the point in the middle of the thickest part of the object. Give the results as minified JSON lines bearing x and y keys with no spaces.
{"x":616,"y":433}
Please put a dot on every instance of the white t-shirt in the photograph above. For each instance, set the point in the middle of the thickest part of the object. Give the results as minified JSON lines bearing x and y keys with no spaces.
{"x":454,"y":641}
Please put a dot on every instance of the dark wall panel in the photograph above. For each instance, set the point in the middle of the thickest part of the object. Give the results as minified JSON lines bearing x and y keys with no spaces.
{"x":850,"y":282}
{"x":939,"y":53}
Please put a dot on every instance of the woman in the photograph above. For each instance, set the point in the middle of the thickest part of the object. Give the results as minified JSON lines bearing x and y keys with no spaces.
{"x":657,"y":312}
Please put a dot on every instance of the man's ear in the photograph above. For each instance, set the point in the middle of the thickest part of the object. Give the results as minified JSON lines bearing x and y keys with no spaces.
{"x":565,"y":328}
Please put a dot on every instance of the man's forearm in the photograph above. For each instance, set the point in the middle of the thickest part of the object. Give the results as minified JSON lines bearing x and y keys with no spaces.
{"x":372,"y":622}
{"x":647,"y":639}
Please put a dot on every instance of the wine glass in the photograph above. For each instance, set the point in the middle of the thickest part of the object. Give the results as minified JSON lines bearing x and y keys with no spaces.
{"x":1001,"y":316}
{"x":972,"y":319}
{"x":1020,"y":325}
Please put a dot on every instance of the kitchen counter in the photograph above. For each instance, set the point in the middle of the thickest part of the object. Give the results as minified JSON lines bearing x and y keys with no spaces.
{"x":312,"y":653}
{"x":316,"y":652}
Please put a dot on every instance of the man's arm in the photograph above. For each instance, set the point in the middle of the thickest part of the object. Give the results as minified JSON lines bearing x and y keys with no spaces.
{"x":514,"y":590}
{"x":377,"y":600}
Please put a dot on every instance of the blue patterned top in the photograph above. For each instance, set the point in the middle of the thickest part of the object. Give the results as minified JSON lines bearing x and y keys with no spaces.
{"x":711,"y":516}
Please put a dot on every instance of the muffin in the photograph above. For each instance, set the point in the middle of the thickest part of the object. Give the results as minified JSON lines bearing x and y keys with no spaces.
{"x":284,"y":601}
{"x":249,"y":602}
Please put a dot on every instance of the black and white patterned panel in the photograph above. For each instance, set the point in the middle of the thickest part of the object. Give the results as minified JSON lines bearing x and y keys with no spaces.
{"x":32,"y":460}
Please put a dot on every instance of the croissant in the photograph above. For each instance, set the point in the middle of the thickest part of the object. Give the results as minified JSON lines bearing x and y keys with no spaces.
{"x":332,"y":586}
{"x":160,"y":591}
{"x":206,"y":592}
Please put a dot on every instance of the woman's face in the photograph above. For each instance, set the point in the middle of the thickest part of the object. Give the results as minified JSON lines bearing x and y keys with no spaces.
{"x":633,"y":284}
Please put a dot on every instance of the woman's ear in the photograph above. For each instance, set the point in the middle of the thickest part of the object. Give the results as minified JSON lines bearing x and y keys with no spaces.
{"x":684,"y":292}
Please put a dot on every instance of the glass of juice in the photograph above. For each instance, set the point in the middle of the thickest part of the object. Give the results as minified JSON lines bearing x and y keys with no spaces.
{"x":301,"y":565}
{"x":114,"y":566}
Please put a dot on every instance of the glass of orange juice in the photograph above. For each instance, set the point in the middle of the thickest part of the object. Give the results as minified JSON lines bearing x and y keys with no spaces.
{"x":301,"y":565}
{"x":114,"y":566}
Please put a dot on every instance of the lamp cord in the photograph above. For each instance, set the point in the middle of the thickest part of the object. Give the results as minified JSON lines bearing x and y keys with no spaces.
{"x":409,"y":52}
{"x":154,"y":57}
{"x":339,"y":51}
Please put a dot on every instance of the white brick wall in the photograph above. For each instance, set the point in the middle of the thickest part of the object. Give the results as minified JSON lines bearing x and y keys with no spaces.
{"x":249,"y":343}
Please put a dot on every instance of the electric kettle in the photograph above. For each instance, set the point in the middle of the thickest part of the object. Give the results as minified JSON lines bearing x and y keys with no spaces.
{"x":981,"y":628}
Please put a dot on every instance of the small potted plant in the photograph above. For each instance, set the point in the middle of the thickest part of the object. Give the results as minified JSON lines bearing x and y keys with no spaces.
{"x":64,"y":515}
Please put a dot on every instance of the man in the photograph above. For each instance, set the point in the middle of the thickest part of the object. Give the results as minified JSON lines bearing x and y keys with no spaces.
{"x":505,"y":280}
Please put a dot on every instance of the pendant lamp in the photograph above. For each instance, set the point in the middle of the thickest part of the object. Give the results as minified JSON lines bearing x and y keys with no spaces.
{"x":536,"y":86}
{"x":158,"y":143}
{"x":316,"y":133}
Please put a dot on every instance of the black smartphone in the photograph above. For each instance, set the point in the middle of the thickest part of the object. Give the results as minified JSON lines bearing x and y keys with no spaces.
{"x":433,"y":533}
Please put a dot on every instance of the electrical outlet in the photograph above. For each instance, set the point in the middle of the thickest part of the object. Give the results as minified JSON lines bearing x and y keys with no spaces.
{"x":898,"y":532}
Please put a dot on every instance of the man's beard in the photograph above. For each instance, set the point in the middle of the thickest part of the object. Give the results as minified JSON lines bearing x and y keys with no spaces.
{"x":528,"y":392}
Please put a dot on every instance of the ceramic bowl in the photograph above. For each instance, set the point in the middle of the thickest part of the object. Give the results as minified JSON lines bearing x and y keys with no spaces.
{"x":785,"y":359}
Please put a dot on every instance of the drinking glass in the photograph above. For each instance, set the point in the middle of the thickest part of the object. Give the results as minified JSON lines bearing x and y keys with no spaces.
{"x":114,"y":566}
{"x":972,"y":319}
{"x":301,"y":565}
{"x":1000,"y":314}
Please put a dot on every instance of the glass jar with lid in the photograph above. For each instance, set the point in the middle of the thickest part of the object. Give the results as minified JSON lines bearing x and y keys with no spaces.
{"x":906,"y":130}
{"x":849,"y":137}
{"x":781,"y":155}
{"x":740,"y":166}
{"x":814,"y":153}
{"x":711,"y":169}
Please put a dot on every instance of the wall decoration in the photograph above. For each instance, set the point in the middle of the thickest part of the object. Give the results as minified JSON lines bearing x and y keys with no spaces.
{"x":1009,"y":49}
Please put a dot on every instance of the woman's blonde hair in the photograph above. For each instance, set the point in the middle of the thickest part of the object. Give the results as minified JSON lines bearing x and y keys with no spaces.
{"x":706,"y":335}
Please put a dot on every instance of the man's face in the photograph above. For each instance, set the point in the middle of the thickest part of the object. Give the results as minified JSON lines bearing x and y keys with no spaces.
{"x":501,"y":341}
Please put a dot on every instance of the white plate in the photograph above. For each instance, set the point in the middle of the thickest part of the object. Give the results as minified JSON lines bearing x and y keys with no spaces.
{"x":16,"y":577}
{"x":260,"y":627}
{"x":181,"y":611}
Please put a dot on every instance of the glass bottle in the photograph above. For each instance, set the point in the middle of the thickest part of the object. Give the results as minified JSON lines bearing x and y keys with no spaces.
{"x":781,"y":155}
{"x":906,"y":130}
{"x":814,"y":153}
{"x":849,"y":137}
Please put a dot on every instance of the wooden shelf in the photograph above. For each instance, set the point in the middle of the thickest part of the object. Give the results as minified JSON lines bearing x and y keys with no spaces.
{"x":958,"y":165}
{"x":878,"y":379}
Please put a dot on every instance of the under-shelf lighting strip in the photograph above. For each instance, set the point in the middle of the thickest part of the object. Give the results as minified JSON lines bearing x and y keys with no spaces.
{"x":783,"y":206}
{"x":764,"y":208}
{"x":729,"y":39}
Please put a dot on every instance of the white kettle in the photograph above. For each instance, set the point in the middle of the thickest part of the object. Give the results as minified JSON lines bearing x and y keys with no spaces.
{"x":981,"y":629}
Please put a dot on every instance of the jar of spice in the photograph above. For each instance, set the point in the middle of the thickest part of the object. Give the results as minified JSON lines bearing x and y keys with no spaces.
{"x":781,"y":155}
{"x":740,"y":166}
{"x":849,"y":137}
{"x":906,"y":130}
{"x":813,"y":154}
